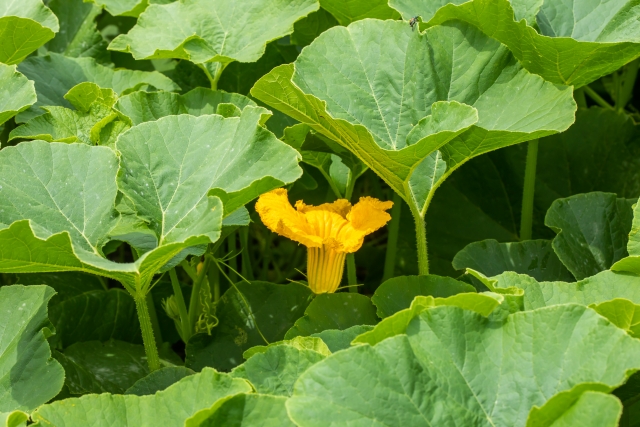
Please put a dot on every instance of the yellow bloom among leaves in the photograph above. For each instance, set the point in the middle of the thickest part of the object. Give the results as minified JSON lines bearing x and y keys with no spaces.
{"x":330,"y":231}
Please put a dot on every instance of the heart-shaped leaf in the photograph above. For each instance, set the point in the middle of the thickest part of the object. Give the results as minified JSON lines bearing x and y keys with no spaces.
{"x":348,"y":11}
{"x":576,"y":42}
{"x":425,"y":109}
{"x":123,"y":7}
{"x":244,"y":410}
{"x":25,"y":26}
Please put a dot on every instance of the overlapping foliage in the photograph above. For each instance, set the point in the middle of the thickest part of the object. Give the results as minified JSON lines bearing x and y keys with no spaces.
{"x":139,"y":287}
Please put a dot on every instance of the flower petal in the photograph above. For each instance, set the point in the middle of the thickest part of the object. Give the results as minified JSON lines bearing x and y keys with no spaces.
{"x":369,"y":214}
{"x":340,"y":206}
{"x":279,"y":216}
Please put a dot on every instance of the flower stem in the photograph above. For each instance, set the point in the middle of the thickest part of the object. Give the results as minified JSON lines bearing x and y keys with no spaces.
{"x":526,"y":218}
{"x":352,"y":279}
{"x":247,"y":270}
{"x":392,"y":240}
{"x":182,"y":307}
{"x":149,"y":341}
{"x":421,"y":241}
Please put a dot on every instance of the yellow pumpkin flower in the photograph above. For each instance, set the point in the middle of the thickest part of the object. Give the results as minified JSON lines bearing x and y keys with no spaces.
{"x":330,"y":231}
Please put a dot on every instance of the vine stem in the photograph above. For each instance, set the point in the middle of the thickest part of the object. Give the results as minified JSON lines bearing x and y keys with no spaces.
{"x":149,"y":341}
{"x":194,"y":302}
{"x":528,"y":192}
{"x":421,"y":241}
{"x":213,"y":80}
{"x":392,"y":240}
{"x":597,"y":98}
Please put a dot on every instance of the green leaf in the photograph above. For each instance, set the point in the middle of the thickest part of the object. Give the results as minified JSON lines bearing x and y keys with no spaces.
{"x":397,"y":293}
{"x":334,"y":311}
{"x":442,"y":362}
{"x":54,"y":75}
{"x":602,"y":287}
{"x":533,"y":257}
{"x":588,"y":409}
{"x":276,"y":370}
{"x":159,"y":380}
{"x":13,"y":419}
{"x":24,"y":27}
{"x":396,"y":324}
{"x":339,"y":340}
{"x":79,"y":35}
{"x":140,"y":107}
{"x":622,"y":313}
{"x":260,"y":309}
{"x":214,"y":150}
{"x":60,"y":124}
{"x":632,"y":262}
{"x":83,"y":95}
{"x":397,"y":129}
{"x":577,"y":42}
{"x":244,"y":410}
{"x":173,"y":405}
{"x":211,"y":30}
{"x":17,"y":92}
{"x":30,"y":376}
{"x":112,"y":367}
{"x":124,"y":7}
{"x":96,"y":315}
{"x":310,"y":27}
{"x":348,"y":11}
{"x":300,"y":343}
{"x":592,"y":231}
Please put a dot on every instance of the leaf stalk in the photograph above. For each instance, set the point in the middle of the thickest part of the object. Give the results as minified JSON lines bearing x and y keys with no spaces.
{"x":528,"y":192}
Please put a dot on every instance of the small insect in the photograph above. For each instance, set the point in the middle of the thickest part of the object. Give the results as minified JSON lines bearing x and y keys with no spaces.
{"x":412,"y":22}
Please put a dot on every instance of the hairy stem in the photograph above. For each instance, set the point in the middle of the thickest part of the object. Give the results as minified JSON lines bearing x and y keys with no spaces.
{"x":247,"y":270}
{"x":149,"y":341}
{"x":392,"y":241}
{"x":528,"y":192}
{"x":421,"y":241}
{"x":182,"y":307}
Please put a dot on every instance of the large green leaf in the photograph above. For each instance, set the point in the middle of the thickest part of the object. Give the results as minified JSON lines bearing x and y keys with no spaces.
{"x":111,"y":367}
{"x":604,"y":286}
{"x":57,"y":210}
{"x":337,"y":340}
{"x":189,"y":155}
{"x":29,"y":377}
{"x":244,"y":410}
{"x":276,"y":370}
{"x":172,"y":406}
{"x":54,"y":75}
{"x":435,"y":101}
{"x":457,"y":368}
{"x":348,"y":11}
{"x":125,"y":7}
{"x":397,"y":293}
{"x":576,"y":42}
{"x":314,"y":24}
{"x":259,"y":311}
{"x":95,"y":315}
{"x":24,"y":26}
{"x":533,"y":257}
{"x":67,"y":285}
{"x":592,"y":231}
{"x":78,"y":36}
{"x":17,"y":93}
{"x":211,"y":31}
{"x":140,"y":107}
{"x":632,"y":262}
{"x":334,"y":311}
